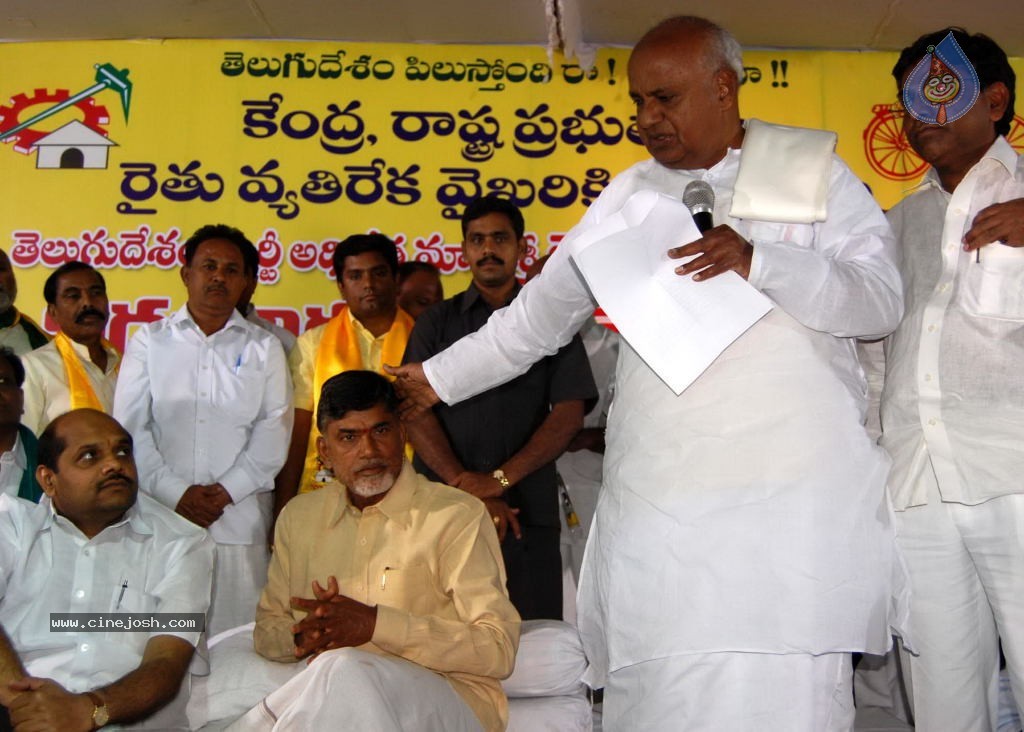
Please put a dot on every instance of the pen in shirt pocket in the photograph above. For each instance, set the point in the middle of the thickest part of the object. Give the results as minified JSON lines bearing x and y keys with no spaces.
{"x":120,"y":596}
{"x":238,"y":364}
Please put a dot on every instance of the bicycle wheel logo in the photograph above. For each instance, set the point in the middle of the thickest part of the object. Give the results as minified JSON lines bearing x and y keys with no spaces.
{"x":889,"y":153}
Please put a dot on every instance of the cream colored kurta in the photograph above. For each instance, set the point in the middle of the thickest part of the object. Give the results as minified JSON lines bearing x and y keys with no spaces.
{"x":428,"y":557}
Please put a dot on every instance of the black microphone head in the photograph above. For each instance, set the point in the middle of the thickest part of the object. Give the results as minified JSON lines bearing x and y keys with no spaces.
{"x":699,"y":197}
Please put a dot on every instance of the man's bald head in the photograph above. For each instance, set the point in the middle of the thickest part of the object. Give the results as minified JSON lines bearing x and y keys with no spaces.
{"x":721,"y":50}
{"x":684,"y":79}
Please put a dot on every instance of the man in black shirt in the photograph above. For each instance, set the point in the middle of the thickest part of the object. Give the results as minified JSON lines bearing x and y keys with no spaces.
{"x":501,"y":445}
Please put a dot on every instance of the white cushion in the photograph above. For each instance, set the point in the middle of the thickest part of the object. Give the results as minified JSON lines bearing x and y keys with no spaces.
{"x":550,"y":661}
{"x":239,"y":678}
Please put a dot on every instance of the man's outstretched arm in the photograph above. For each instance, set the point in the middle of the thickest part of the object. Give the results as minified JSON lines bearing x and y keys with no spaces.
{"x":45,"y":704}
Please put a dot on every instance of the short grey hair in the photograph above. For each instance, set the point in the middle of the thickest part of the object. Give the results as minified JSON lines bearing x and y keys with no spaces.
{"x":724,"y":50}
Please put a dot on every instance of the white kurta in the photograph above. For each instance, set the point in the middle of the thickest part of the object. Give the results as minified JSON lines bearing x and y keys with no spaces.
{"x":748,"y":513}
{"x":47,"y":394}
{"x":953,"y":407}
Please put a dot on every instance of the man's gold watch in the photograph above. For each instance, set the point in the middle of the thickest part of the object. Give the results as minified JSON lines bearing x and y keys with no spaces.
{"x":499,"y":475}
{"x":100,"y":715}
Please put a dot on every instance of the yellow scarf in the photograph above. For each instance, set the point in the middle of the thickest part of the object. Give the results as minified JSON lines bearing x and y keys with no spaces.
{"x":82,"y":394}
{"x":338,"y":352}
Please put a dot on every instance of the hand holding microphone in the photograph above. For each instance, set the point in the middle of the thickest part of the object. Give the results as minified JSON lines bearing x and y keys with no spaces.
{"x":721,"y":249}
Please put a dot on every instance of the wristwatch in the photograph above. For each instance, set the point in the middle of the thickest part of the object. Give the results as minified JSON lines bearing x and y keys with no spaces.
{"x":100,"y":715}
{"x":499,"y":475}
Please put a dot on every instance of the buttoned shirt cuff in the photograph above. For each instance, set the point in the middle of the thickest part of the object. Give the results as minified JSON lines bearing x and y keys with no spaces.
{"x":435,"y":382}
{"x":169,"y":492}
{"x":756,"y":266}
{"x":238,"y":484}
{"x":391,"y":632}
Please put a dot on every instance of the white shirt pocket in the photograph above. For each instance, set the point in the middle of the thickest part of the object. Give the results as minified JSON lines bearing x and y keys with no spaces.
{"x":994,"y":286}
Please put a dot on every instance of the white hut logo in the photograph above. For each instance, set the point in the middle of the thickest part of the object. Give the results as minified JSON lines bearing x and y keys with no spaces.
{"x":72,"y":146}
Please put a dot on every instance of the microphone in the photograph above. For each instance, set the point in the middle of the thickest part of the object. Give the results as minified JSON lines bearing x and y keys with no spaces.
{"x":700,"y":199}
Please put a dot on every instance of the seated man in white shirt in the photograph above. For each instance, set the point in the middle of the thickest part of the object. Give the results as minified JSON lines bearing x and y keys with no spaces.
{"x":415,"y":625}
{"x":94,"y":545}
{"x":17,"y":443}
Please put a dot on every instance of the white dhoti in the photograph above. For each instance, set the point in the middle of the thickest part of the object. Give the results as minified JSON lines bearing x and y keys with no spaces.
{"x":739,"y":692}
{"x":238,"y":579}
{"x":349,"y":689}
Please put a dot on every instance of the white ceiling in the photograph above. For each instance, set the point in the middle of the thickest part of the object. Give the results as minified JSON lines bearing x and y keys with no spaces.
{"x":867,"y":24}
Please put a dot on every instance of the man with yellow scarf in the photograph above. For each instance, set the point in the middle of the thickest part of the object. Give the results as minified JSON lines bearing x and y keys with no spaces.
{"x":370,"y":330}
{"x":78,"y":368}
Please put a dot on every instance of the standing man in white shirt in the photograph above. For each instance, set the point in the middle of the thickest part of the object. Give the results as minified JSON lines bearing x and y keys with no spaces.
{"x":207,"y":397}
{"x":742,"y":545}
{"x":953,"y":404}
{"x":78,"y":368}
{"x":93,"y":545}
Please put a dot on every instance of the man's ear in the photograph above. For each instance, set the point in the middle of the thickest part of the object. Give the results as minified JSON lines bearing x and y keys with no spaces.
{"x":183,"y":273}
{"x":321,"y":450}
{"x":47,"y":480}
{"x":726,"y":86}
{"x":997,"y":97}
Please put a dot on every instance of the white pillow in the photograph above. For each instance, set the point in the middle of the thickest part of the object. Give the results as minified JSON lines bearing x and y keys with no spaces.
{"x":550,"y":661}
{"x":239,"y":678}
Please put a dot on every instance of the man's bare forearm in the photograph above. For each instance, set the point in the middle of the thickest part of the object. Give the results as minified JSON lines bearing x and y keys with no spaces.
{"x":153,"y":684}
{"x":11,"y":668}
{"x":432,"y":446}
{"x":548,"y":442}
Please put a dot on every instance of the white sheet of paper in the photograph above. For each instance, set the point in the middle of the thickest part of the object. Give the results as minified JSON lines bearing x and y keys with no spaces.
{"x":678,"y":326}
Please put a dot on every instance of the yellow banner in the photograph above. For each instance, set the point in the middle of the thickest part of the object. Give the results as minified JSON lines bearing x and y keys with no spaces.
{"x":131,"y":146}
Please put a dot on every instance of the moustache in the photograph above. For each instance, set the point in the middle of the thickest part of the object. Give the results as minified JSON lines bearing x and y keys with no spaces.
{"x":89,"y":313}
{"x":490,"y":258}
{"x":116,"y":478}
{"x":371,"y":465}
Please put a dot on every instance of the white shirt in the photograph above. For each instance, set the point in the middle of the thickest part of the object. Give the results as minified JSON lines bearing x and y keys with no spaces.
{"x":581,"y":470}
{"x":46,"y":383}
{"x":953,"y":406}
{"x":284,"y":335}
{"x":12,"y":467}
{"x":15,"y":338}
{"x":748,"y":513}
{"x":208,"y":409}
{"x":48,"y":566}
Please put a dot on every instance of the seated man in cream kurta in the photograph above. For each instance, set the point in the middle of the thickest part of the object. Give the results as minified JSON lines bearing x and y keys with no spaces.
{"x":411,"y":627}
{"x":78,"y":368}
{"x":370,"y":330}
